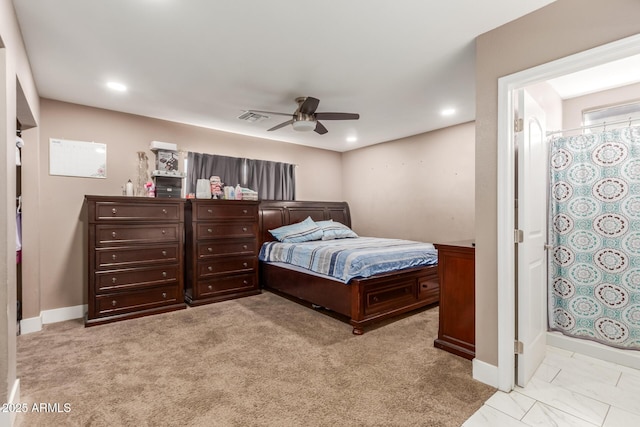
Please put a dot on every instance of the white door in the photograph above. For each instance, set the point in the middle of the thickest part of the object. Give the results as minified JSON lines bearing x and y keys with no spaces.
{"x":532,"y":220}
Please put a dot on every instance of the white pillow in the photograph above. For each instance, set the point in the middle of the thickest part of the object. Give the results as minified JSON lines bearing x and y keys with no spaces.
{"x":304,"y":231}
{"x":335,"y":230}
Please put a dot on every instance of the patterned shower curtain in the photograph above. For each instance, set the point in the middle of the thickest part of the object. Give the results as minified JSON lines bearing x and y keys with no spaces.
{"x":594,"y":269}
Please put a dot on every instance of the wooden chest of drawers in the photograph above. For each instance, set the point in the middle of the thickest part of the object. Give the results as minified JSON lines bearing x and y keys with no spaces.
{"x":135,"y":258}
{"x":456,"y":270}
{"x":221,"y":250}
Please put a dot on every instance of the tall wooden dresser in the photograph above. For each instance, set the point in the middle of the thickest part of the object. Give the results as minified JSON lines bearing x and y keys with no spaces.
{"x":135,"y":258}
{"x":222,"y":250}
{"x":456,"y":271}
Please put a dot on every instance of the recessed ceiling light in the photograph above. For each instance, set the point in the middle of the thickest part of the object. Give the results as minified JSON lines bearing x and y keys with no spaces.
{"x":448,"y":112}
{"x":352,"y":139}
{"x":117,"y":86}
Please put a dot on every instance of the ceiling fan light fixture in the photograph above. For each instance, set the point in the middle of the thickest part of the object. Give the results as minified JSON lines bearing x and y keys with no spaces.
{"x":304,"y":125}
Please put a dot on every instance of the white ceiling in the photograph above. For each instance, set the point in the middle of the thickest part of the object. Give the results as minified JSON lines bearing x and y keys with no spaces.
{"x":602,"y":77}
{"x":203,"y":62}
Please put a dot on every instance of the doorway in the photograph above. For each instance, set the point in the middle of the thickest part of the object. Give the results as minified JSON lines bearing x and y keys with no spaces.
{"x":507,"y":267}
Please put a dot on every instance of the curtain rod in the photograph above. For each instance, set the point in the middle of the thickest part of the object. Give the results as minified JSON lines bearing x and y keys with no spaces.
{"x":604,"y":123}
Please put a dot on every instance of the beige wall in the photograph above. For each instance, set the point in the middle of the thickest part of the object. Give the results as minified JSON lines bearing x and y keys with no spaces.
{"x":62,"y":248}
{"x":435,"y":203}
{"x":14,"y":100}
{"x":560,"y":29}
{"x":420,"y":187}
{"x":574,"y":107}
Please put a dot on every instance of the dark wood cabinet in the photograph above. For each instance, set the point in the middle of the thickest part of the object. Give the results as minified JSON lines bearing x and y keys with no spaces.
{"x":221,"y":250}
{"x":135,"y":257}
{"x":456,"y":271}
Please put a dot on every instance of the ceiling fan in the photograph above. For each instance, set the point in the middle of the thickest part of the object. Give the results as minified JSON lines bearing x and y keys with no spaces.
{"x":305,"y":117}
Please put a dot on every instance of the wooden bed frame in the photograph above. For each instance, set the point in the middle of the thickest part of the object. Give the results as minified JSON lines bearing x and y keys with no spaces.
{"x":362,"y":301}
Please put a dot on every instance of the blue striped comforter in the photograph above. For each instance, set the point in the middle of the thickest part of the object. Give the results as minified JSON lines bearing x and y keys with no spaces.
{"x":345,"y":259}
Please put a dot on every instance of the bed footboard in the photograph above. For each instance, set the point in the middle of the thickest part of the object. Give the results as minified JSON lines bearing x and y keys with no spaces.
{"x":385,"y":296}
{"x":362,"y":302}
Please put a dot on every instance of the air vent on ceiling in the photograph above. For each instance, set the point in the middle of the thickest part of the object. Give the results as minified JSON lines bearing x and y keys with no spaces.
{"x":252,"y":117}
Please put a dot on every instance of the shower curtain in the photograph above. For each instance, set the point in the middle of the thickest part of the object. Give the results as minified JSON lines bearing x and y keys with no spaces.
{"x":594,"y":268}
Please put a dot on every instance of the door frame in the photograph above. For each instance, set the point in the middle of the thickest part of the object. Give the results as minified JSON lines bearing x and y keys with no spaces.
{"x":506,"y":259}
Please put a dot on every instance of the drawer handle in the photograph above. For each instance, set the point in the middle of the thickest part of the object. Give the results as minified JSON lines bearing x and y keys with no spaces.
{"x":244,"y":211}
{"x":375,"y":299}
{"x":210,"y":287}
{"x":210,"y":249}
{"x":113,"y":303}
{"x":209,"y":210}
{"x":244,"y":264}
{"x":164,"y":231}
{"x":245,"y":282}
{"x":244,"y":246}
{"x":114,"y":280}
{"x":164,"y":274}
{"x":114,"y":211}
{"x":164,"y":211}
{"x":164,"y":295}
{"x":244,"y":228}
{"x":164,"y":253}
{"x":113,"y":257}
{"x":210,"y":268}
{"x":113,"y":234}
{"x":209,"y":230}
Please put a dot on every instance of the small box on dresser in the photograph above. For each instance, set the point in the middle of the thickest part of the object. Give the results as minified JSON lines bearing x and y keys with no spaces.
{"x":135,"y":257}
{"x":221,"y":249}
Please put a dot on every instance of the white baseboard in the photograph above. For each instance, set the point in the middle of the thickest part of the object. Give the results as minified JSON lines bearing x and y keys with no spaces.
{"x":61,"y":314}
{"x":485,"y":373}
{"x":8,"y":418}
{"x":34,"y":324}
{"x":31,"y":325}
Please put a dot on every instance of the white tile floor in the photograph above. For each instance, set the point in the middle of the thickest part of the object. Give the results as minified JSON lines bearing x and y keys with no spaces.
{"x":568,"y":389}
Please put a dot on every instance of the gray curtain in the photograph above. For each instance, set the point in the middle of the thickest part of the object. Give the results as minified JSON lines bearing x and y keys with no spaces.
{"x":272,"y":180}
{"x":203,"y":166}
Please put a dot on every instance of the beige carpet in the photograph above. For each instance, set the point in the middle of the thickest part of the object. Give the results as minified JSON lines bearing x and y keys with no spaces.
{"x":256,"y":361}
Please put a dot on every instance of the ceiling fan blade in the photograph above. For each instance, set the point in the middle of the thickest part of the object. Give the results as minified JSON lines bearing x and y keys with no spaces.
{"x":281,"y":125}
{"x":337,"y":116}
{"x":320,"y":128}
{"x":309,"y":105}
{"x":270,"y":112}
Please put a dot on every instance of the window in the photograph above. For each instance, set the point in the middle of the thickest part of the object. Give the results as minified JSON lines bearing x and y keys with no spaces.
{"x":272,"y":180}
{"x":612,"y":117}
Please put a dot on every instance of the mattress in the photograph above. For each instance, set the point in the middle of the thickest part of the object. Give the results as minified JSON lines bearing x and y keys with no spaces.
{"x":345,"y":259}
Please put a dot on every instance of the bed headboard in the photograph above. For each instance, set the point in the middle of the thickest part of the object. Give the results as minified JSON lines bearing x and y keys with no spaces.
{"x":276,"y":213}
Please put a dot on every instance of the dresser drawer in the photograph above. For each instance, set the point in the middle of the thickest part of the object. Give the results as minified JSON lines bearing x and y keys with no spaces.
{"x":226,"y":265}
{"x":120,"y":280}
{"x":215,"y":248}
{"x":230,"y":210}
{"x":117,"y":257}
{"x":130,"y":211}
{"x":210,"y":230}
{"x":390,"y":297}
{"x":136,"y":234}
{"x":428,"y":288}
{"x":112,"y":304}
{"x":230,"y":284}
